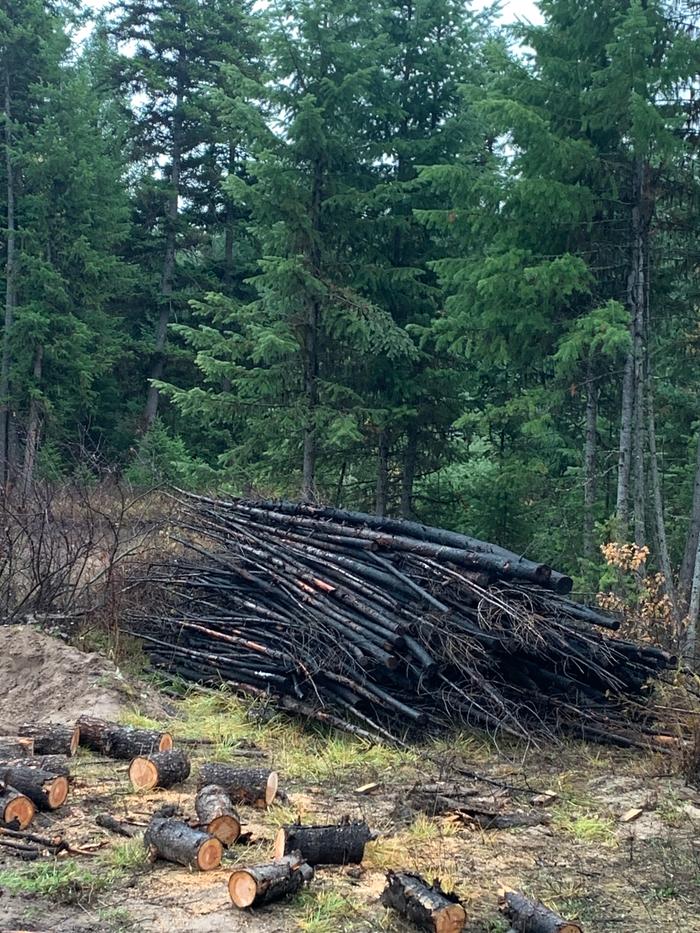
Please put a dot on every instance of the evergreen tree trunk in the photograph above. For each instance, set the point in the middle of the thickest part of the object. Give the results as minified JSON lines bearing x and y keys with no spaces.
{"x":382,"y":496}
{"x":659,"y":520}
{"x":589,"y":465}
{"x":229,"y":222}
{"x":691,"y":636}
{"x":691,"y":545}
{"x":408,"y":473}
{"x":310,"y":346}
{"x":168,"y":275}
{"x":632,"y":415}
{"x":33,"y":425}
{"x":10,"y":291}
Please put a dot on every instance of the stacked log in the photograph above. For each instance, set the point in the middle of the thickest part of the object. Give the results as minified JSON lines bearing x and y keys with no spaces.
{"x":51,"y":738}
{"x":47,"y":791}
{"x":16,"y":809}
{"x":216,"y":814}
{"x":381,"y":627}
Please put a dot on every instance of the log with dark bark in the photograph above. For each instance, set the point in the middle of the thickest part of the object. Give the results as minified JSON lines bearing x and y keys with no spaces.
{"x":216,"y":814}
{"x":427,"y":906}
{"x":47,"y":791}
{"x":262,"y":884}
{"x":123,"y":742}
{"x":338,"y":844}
{"x":254,"y":786}
{"x":161,"y":769}
{"x":379,"y":627}
{"x":51,"y":738}
{"x":16,"y":809}
{"x":528,"y":916}
{"x":177,"y":842}
{"x":56,"y":764}
{"x":12,"y":746}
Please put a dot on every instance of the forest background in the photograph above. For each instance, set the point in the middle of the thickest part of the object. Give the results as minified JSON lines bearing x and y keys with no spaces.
{"x":394,"y":255}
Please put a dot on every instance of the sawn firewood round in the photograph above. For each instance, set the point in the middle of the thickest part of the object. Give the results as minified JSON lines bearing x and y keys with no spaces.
{"x":254,"y":786}
{"x":161,"y":769}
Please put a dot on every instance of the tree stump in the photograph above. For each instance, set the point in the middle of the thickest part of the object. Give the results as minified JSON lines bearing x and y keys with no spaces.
{"x":254,"y":786}
{"x":528,"y":916}
{"x":216,"y":814}
{"x":161,"y":769}
{"x":16,"y":809}
{"x":177,"y":842}
{"x":262,"y":884}
{"x":427,"y":906}
{"x":13,"y":746}
{"x":123,"y":742}
{"x":339,"y":844}
{"x":47,"y":791}
{"x":51,"y":738}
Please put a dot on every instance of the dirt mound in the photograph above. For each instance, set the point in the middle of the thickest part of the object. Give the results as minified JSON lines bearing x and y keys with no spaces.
{"x":43,"y":679}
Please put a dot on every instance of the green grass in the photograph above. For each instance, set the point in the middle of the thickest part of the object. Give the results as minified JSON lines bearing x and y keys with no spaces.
{"x":127,"y":856}
{"x":587,"y":828}
{"x":68,"y":881}
{"x":325,"y":912}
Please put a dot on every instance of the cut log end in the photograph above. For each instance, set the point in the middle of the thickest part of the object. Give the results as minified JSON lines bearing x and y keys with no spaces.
{"x":57,"y":792}
{"x":166,"y":742}
{"x":209,"y":855}
{"x":450,"y":919}
{"x":20,"y":811}
{"x":242,"y":888}
{"x":225,"y":828}
{"x":271,"y":788}
{"x":143,"y":774}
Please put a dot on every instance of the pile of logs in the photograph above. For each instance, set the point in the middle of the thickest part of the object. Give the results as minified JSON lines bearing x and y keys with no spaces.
{"x":383,"y":627}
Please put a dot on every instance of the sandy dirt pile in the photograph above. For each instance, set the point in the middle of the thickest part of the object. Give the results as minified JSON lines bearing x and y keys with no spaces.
{"x":43,"y":679}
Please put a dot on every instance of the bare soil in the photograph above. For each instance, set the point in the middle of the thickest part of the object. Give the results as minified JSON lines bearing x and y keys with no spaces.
{"x":43,"y":679}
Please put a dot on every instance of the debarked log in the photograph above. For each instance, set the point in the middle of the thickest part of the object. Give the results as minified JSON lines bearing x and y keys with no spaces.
{"x":427,"y":906}
{"x":51,"y":738}
{"x":123,"y":742}
{"x":254,"y":786}
{"x":161,"y":769}
{"x":216,"y":814}
{"x":338,"y":844}
{"x":177,"y":842}
{"x":262,"y":884}
{"x":47,"y":791}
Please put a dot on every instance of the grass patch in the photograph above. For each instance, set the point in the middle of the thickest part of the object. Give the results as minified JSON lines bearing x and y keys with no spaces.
{"x":67,"y":881}
{"x":127,"y":856}
{"x":587,"y":828}
{"x":325,"y":912}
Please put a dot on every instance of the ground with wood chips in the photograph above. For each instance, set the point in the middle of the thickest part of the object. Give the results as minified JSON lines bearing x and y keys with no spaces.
{"x":591,"y":861}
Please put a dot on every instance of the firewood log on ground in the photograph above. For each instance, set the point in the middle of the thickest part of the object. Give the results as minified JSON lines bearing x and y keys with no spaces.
{"x":47,"y":791}
{"x":123,"y":742}
{"x":529,"y":916}
{"x":51,"y":738}
{"x":338,"y":844}
{"x":161,"y":769}
{"x":262,"y":884}
{"x":15,"y":808}
{"x":427,"y":906}
{"x":216,"y":814}
{"x":254,"y":786}
{"x":177,"y":842}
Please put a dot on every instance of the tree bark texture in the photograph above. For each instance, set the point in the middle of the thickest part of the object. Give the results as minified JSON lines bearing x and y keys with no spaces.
{"x":54,"y":764}
{"x":47,"y":791}
{"x":160,"y":769}
{"x":408,"y":472}
{"x":426,"y":906}
{"x":177,"y":842}
{"x":216,"y":814}
{"x":13,"y":746}
{"x":10,"y":287}
{"x":382,"y":493}
{"x":253,"y":786}
{"x":589,"y":465}
{"x":36,"y":408}
{"x":124,"y":742}
{"x":51,"y":738}
{"x":272,"y":881}
{"x":685,"y":579}
{"x":530,"y":916}
{"x":339,"y":844}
